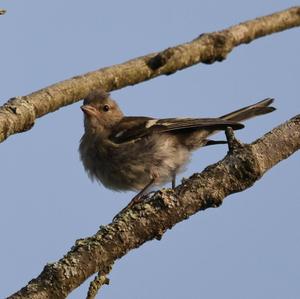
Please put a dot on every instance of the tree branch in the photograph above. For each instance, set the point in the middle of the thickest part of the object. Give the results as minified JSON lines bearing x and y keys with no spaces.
{"x":19,"y":114}
{"x":243,"y":165}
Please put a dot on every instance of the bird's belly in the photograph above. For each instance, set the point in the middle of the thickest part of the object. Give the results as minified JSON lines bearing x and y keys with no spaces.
{"x":122,"y":177}
{"x":132,"y":166}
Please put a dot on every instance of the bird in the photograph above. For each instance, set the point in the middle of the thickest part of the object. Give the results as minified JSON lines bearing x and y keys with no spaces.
{"x":137,"y":153}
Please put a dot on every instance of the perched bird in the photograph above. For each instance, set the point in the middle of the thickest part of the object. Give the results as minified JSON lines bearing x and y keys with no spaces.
{"x":137,"y":153}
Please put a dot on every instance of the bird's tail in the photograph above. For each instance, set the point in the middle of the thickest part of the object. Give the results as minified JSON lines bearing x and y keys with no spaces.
{"x":198,"y":138}
{"x":260,"y":108}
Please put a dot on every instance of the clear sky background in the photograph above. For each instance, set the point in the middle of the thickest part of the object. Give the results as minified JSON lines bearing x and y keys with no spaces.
{"x":247,"y":248}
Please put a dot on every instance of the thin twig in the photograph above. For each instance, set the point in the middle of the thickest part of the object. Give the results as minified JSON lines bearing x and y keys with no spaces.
{"x":100,"y":280}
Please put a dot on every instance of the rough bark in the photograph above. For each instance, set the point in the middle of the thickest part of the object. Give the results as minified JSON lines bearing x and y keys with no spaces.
{"x":20,"y":113}
{"x":240,"y":169}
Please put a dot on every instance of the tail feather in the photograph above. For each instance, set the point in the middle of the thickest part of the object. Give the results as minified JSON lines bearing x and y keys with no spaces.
{"x":198,"y":138}
{"x":260,"y":108}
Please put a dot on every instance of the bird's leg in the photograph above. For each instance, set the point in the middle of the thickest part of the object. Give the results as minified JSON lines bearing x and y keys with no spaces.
{"x":174,"y":181}
{"x":137,"y":198}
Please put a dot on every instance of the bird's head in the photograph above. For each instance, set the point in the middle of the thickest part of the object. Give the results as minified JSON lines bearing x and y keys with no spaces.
{"x":100,"y":112}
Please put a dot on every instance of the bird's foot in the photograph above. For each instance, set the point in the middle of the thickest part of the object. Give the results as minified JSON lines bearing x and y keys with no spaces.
{"x":138,"y":198}
{"x":135,"y":200}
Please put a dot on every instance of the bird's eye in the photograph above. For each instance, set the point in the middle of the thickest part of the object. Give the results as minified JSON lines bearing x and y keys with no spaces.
{"x":106,"y":108}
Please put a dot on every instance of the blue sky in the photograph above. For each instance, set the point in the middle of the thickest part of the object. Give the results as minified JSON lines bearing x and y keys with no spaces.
{"x":247,"y":248}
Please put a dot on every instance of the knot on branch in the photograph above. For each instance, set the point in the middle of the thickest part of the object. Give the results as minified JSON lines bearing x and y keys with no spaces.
{"x":243,"y":168}
{"x":218,"y":46}
{"x":232,"y":142}
{"x":16,"y":116}
{"x":160,"y":59}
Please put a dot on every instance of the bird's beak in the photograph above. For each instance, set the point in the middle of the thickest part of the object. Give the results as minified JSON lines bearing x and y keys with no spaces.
{"x":89,"y":110}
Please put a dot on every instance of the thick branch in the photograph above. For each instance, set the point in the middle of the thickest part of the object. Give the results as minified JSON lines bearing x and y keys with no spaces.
{"x":239,"y":170}
{"x":19,"y":114}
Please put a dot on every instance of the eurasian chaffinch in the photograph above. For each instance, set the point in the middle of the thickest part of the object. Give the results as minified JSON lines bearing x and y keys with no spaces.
{"x":137,"y":152}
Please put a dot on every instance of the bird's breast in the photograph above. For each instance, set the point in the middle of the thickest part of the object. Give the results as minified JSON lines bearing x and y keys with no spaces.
{"x":131,"y":166}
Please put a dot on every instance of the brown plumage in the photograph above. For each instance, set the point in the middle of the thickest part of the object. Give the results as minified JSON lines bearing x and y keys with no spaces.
{"x":135,"y":153}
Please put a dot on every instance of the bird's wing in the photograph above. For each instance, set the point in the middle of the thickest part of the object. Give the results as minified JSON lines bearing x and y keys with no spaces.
{"x":131,"y":128}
